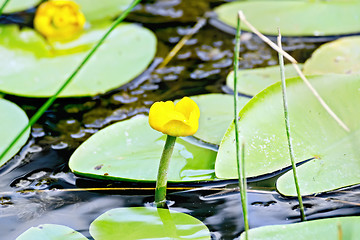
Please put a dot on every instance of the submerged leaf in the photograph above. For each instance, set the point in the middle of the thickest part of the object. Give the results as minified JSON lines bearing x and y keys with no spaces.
{"x":315,"y":135}
{"x":147,"y":223}
{"x":130,"y":150}
{"x":12,"y":120}
{"x":295,"y":18}
{"x":30,"y":67}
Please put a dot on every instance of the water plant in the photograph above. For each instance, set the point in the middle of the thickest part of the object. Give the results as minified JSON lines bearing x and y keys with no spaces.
{"x":112,"y":174}
{"x":178,"y":120}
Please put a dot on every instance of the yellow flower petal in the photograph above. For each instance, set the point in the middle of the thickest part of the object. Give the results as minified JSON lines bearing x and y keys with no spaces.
{"x":59,"y":19}
{"x":179,"y":120}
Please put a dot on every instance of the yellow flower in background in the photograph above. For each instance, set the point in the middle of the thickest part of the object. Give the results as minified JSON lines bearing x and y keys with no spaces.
{"x":178,"y":120}
{"x":59,"y":19}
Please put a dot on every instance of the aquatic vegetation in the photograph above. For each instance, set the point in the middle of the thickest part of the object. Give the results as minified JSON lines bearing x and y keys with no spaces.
{"x":295,"y":18}
{"x":261,"y":124}
{"x":12,"y":118}
{"x":217,"y":142}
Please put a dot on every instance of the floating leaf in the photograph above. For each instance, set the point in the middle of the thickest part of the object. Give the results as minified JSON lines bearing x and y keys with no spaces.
{"x":147,"y":223}
{"x":340,"y":56}
{"x":18,"y":5}
{"x":323,"y":229}
{"x":131,"y":150}
{"x":100,"y":10}
{"x":315,"y":135}
{"x":12,"y":120}
{"x":295,"y":18}
{"x":51,"y":232}
{"x":252,"y":81}
{"x":29,"y":67}
{"x":216,"y":114}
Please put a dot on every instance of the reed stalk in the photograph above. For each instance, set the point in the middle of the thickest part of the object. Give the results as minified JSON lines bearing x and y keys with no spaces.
{"x":52,"y":99}
{"x":287,"y":126}
{"x":240,"y":156}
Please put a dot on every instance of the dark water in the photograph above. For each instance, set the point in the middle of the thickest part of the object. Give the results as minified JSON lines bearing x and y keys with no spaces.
{"x":200,"y":67}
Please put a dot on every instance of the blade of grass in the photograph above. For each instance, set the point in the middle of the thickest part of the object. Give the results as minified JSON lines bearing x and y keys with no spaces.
{"x":300,"y":73}
{"x":3,"y":6}
{"x":287,"y":126}
{"x":51,"y":100}
{"x":240,"y":165}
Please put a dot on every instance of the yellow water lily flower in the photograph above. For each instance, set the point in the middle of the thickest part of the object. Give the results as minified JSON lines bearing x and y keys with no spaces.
{"x":59,"y":19}
{"x":178,"y":120}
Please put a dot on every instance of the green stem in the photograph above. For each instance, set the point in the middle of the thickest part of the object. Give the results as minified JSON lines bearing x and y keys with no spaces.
{"x":2,"y":9}
{"x":51,"y":100}
{"x":240,"y":165}
{"x":287,"y":125}
{"x":161,"y":183}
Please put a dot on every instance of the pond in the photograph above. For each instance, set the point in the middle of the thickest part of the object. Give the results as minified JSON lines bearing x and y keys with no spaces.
{"x":201,"y":66}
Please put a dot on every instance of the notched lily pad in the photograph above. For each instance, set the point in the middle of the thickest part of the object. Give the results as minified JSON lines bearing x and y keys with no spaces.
{"x":30,"y":67}
{"x":315,"y":135}
{"x":51,"y":232}
{"x":12,"y":120}
{"x":340,"y":56}
{"x":130,"y":150}
{"x":323,"y":229}
{"x":252,"y":81}
{"x":295,"y":18}
{"x":147,"y":223}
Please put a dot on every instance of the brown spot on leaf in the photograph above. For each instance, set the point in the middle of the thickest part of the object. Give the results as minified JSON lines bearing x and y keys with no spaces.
{"x":98,"y":167}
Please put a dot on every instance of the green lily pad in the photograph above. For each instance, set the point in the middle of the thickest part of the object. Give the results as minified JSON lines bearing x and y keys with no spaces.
{"x":51,"y":232}
{"x":100,"y":10}
{"x":295,"y":18}
{"x":315,"y":135}
{"x":340,"y":56}
{"x":216,"y":115}
{"x":131,"y":150}
{"x":30,"y":67}
{"x":18,"y":5}
{"x":252,"y":81}
{"x":147,"y":223}
{"x":12,"y":120}
{"x":323,"y":229}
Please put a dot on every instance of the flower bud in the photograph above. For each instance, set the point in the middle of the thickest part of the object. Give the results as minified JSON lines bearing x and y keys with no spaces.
{"x":178,"y":120}
{"x":59,"y":19}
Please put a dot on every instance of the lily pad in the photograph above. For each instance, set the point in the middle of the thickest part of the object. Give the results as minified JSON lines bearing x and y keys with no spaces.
{"x":295,"y":18}
{"x":131,"y":150}
{"x":216,"y":114}
{"x":252,"y":81}
{"x":340,"y":56}
{"x":323,"y":229}
{"x":147,"y":223}
{"x":12,"y":120}
{"x":37,"y":70}
{"x":51,"y":232}
{"x":335,"y":152}
{"x":18,"y":5}
{"x":100,"y":10}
